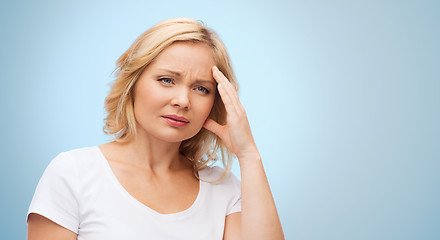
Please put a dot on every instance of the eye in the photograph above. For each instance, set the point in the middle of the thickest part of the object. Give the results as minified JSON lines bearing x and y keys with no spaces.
{"x":166,"y":81}
{"x":202,"y":90}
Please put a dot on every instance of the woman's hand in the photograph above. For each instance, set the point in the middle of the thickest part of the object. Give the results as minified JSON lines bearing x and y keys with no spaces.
{"x":237,"y":134}
{"x":259,"y":217}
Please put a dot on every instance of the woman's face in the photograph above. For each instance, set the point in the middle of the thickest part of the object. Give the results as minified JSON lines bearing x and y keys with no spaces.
{"x":175,"y":93}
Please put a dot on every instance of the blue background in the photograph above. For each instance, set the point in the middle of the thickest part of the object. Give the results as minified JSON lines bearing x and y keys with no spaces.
{"x":342,"y":96}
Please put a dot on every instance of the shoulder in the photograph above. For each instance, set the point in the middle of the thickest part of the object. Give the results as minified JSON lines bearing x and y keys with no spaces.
{"x":66,"y":173}
{"x":218,"y":176}
{"x":225,"y":192}
{"x":60,"y":191}
{"x":73,"y":159}
{"x":83,"y":153}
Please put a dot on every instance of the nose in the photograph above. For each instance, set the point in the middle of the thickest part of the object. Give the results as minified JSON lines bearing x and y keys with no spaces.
{"x":181,"y":99}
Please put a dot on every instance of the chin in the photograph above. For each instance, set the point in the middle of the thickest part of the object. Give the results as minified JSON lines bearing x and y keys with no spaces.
{"x":173,"y":137}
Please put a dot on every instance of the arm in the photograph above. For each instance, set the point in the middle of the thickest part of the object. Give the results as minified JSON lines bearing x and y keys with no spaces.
{"x":232,"y":227}
{"x":41,"y":228}
{"x":259,"y":217}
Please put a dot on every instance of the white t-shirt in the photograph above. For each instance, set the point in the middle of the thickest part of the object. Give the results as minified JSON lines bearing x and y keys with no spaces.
{"x":79,"y":191}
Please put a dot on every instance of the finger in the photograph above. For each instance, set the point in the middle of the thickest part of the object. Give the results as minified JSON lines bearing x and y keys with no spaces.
{"x":226,"y":92}
{"x":226,"y":98}
{"x":221,"y":78}
{"x":217,"y":75}
{"x":228,"y":88}
{"x":214,"y":127}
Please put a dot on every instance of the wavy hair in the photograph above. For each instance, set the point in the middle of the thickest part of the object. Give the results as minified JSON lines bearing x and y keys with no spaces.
{"x":203,"y":148}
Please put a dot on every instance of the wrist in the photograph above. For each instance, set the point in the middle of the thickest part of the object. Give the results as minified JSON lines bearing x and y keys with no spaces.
{"x":247,"y":156}
{"x":250,"y":162}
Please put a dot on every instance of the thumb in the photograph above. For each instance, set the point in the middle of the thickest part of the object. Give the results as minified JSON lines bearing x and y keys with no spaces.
{"x":214,"y":127}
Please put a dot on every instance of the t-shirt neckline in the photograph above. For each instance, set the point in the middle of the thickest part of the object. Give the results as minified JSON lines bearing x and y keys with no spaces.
{"x":139,"y":204}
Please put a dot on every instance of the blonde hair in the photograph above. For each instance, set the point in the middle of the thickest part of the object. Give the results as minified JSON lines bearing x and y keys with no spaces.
{"x":120,"y":122}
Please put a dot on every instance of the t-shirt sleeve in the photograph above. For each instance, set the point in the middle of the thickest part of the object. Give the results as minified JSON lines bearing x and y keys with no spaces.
{"x":235,"y":203}
{"x":56,"y":194}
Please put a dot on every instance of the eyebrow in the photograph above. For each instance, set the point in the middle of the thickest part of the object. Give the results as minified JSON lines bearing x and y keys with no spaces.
{"x":177,"y":74}
{"x":206,"y":82}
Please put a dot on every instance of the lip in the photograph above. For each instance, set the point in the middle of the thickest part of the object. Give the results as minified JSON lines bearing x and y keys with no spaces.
{"x":175,"y":121}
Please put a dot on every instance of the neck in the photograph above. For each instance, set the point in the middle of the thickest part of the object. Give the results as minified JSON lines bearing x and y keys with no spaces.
{"x":154,"y":154}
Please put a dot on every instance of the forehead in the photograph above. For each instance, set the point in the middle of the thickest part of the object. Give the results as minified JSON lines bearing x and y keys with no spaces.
{"x":185,"y":56}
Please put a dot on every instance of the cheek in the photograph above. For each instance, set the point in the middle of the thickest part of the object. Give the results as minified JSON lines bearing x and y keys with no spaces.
{"x":152,"y":99}
{"x":207,"y":108}
{"x":149,"y":98}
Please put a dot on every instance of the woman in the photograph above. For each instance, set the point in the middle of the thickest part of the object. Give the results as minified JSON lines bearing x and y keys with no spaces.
{"x":172,"y":107}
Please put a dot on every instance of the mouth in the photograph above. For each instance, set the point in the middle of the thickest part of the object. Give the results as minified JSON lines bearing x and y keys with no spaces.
{"x":176,"y":121}
{"x":176,"y":118}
